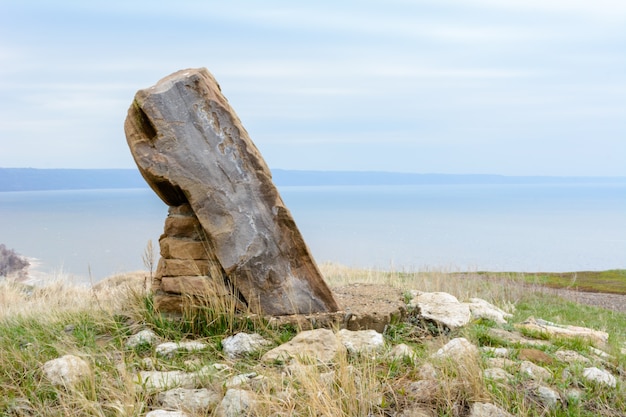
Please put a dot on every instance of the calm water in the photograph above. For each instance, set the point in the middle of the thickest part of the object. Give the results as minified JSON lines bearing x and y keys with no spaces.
{"x":454,"y":227}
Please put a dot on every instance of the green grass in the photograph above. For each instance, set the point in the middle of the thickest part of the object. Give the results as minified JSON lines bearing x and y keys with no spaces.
{"x":611,"y":281}
{"x":352,"y":386}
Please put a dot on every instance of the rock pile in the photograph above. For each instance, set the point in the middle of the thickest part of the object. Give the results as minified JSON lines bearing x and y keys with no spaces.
{"x":256,"y":376}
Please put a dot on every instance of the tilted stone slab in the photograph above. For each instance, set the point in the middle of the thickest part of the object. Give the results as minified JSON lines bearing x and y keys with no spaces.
{"x":191,"y":148}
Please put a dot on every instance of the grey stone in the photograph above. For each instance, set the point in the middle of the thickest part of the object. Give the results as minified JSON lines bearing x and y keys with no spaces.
{"x":361,"y":340}
{"x":488,"y":410}
{"x":169,"y":349}
{"x":480,"y":308}
{"x":548,"y":397}
{"x":402,"y":351}
{"x":599,"y":338}
{"x":457,"y":349}
{"x":442,"y":308}
{"x":191,"y":147}
{"x":144,"y":337}
{"x":236,"y":403}
{"x":166,"y":413}
{"x":599,"y":376}
{"x":66,"y":371}
{"x":242,"y":344}
{"x":194,"y":400}
{"x":319,"y":346}
{"x":534,"y":371}
{"x":497,"y":374}
{"x":570,"y":356}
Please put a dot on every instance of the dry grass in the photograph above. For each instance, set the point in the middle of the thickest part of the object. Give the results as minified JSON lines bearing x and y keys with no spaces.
{"x":42,"y":323}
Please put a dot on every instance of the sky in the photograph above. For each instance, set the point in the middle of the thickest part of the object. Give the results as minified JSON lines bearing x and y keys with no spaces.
{"x":513,"y":87}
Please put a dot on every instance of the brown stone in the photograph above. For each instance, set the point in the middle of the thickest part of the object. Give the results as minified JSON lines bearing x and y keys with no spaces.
{"x":535,"y":356}
{"x":184,"y":267}
{"x":191,"y":148}
{"x":173,"y":248}
{"x":185,"y":227}
{"x":193,"y":285}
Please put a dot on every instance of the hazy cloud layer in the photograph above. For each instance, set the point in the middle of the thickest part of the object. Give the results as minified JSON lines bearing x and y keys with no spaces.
{"x":480,"y":86}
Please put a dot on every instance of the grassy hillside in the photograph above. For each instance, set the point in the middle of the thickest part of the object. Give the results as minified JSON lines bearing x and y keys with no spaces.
{"x":39,"y":324}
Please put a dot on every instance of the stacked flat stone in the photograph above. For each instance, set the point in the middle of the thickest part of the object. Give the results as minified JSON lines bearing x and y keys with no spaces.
{"x":187,"y":265}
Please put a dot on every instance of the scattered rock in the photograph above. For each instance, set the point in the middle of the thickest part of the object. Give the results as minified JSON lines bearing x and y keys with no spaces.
{"x":169,"y":349}
{"x":534,"y":371}
{"x":442,"y":308}
{"x":418,"y":411}
{"x":194,"y":400}
{"x":240,"y":379}
{"x":497,"y":374}
{"x":503,"y":363}
{"x":497,"y":352}
{"x":144,"y":337}
{"x":570,"y":356}
{"x":423,"y":390}
{"x":67,"y":370}
{"x":458,"y":349}
{"x":361,"y":340}
{"x":488,"y":410}
{"x":427,"y":371}
{"x":482,"y":309}
{"x":548,"y":397}
{"x":161,"y":380}
{"x":596,"y":337}
{"x":512,"y":337}
{"x":236,"y":403}
{"x":599,"y":376}
{"x":402,"y":351}
{"x":165,"y":413}
{"x":242,"y":344}
{"x":319,"y":345}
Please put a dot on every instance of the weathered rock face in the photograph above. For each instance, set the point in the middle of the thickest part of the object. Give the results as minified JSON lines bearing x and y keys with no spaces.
{"x":192,"y":150}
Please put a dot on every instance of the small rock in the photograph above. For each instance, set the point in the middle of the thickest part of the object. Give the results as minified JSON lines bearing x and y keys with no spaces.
{"x":418,"y":412}
{"x":497,"y":374}
{"x":442,"y":308}
{"x":319,"y":345}
{"x":503,"y":363}
{"x":194,"y":400}
{"x":599,"y":376}
{"x":361,"y":340}
{"x":240,"y":379}
{"x":67,"y":370}
{"x":480,"y":308}
{"x":570,"y":356}
{"x":144,"y":337}
{"x":242,"y":344}
{"x":157,"y":380}
{"x":424,"y":390}
{"x":488,"y":410}
{"x":534,"y":371}
{"x":168,"y":349}
{"x":427,"y":371}
{"x":573,"y":395}
{"x":548,"y":397}
{"x":599,"y":338}
{"x":236,"y":403}
{"x":457,"y":349}
{"x":497,"y":352}
{"x":402,"y":351}
{"x":165,"y":413}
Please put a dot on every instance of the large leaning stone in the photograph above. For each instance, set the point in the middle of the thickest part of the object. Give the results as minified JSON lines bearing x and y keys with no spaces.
{"x":191,"y":148}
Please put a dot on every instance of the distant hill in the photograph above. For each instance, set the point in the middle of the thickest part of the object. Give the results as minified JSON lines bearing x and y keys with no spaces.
{"x":31,"y":179}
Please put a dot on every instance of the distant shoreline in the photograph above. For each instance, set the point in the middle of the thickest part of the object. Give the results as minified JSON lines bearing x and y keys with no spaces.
{"x":32,"y":179}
